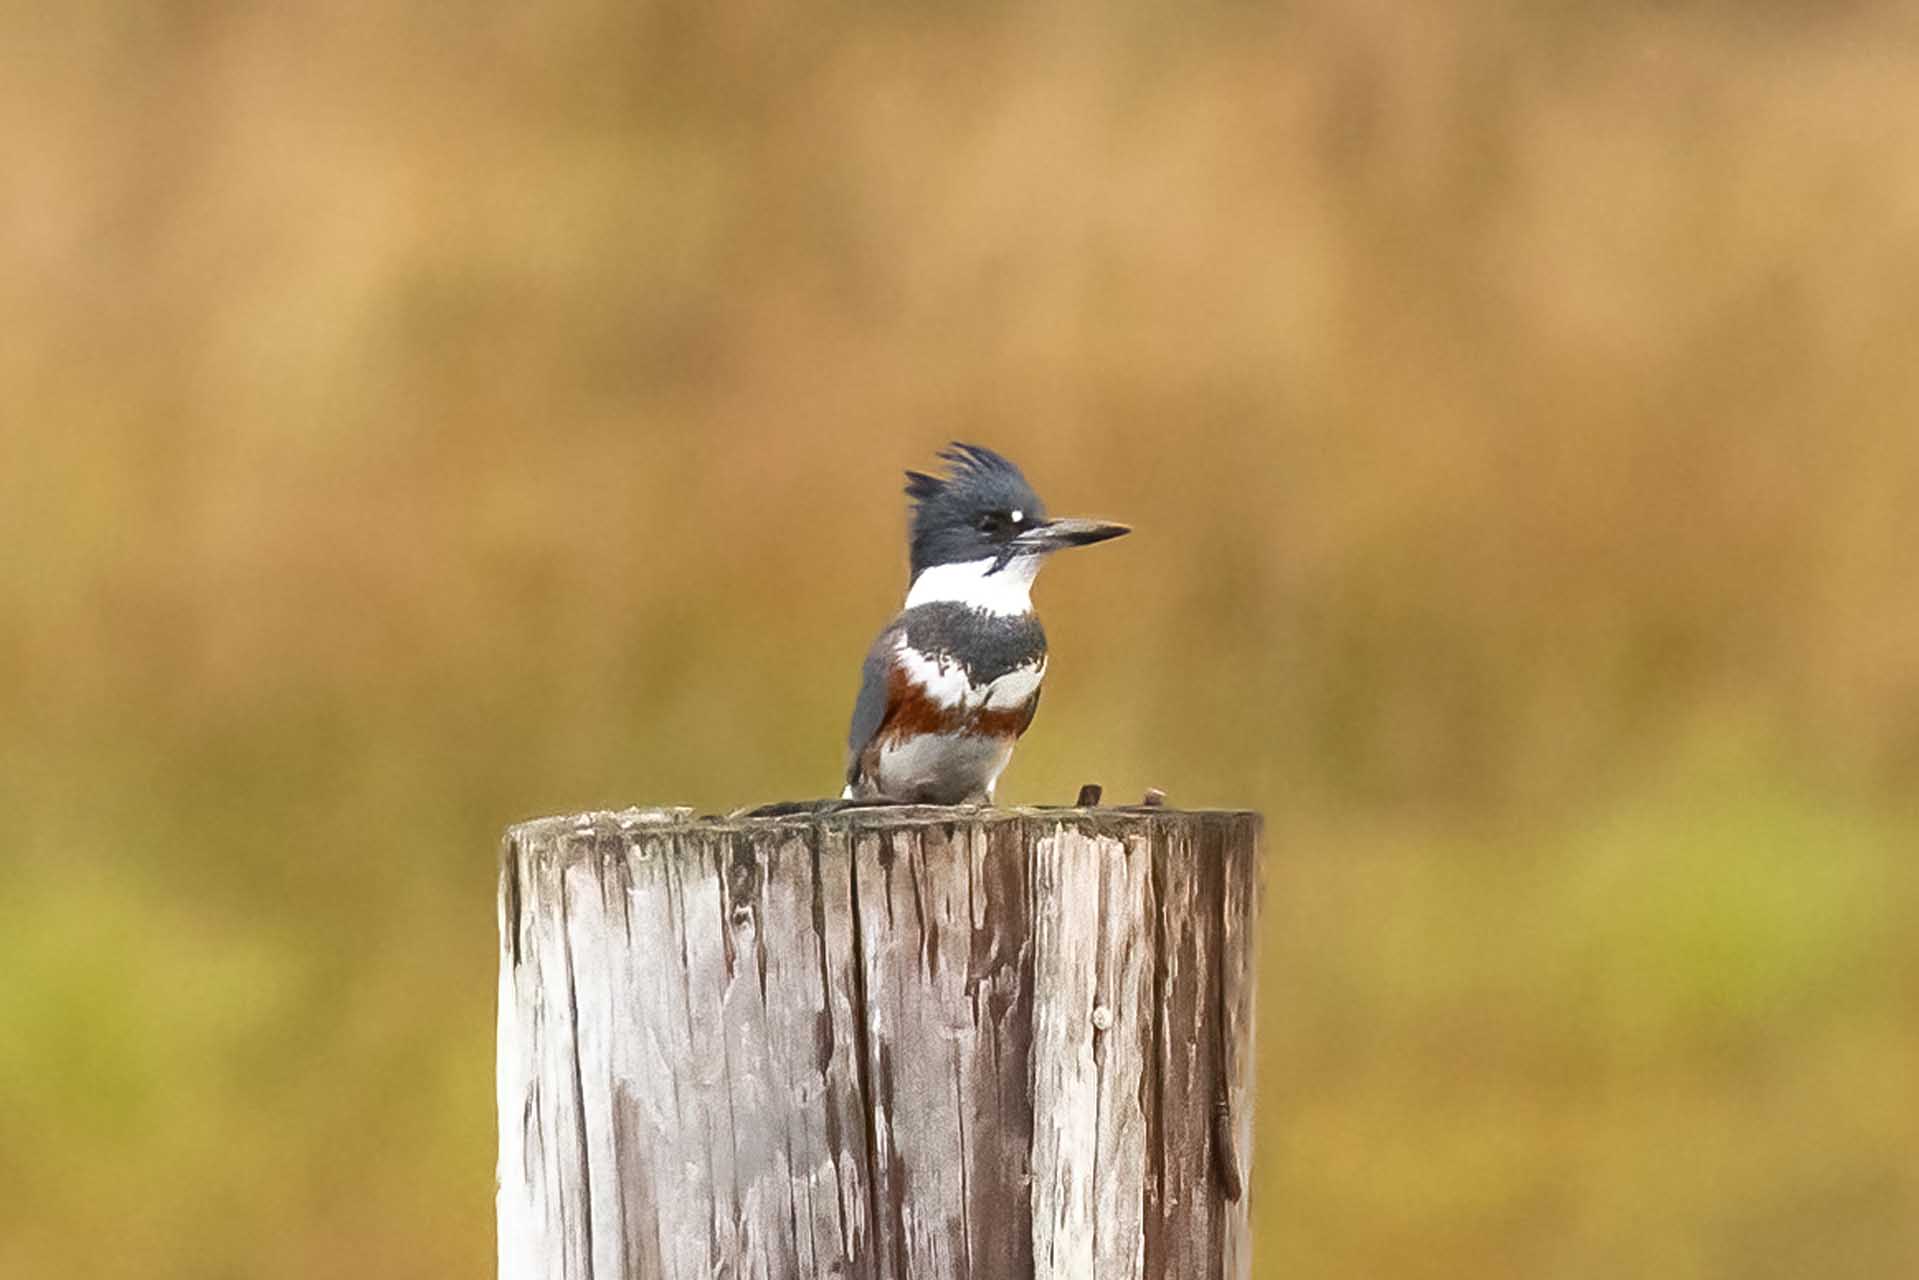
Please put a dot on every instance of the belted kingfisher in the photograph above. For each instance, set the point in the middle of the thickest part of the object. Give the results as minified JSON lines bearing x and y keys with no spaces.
{"x":953,"y":681}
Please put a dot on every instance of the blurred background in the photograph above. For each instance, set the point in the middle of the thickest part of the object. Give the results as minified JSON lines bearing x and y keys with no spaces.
{"x":422,"y":417}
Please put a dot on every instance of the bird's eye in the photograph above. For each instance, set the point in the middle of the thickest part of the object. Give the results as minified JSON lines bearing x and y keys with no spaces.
{"x":992,"y":522}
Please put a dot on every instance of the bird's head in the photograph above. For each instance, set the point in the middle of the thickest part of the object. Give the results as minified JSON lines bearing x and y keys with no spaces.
{"x":983,"y":510}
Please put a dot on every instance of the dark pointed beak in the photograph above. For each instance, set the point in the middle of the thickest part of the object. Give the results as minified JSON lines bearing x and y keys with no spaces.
{"x":1056,"y":535}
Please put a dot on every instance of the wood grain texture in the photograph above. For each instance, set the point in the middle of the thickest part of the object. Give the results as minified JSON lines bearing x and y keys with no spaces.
{"x":879,"y":1044}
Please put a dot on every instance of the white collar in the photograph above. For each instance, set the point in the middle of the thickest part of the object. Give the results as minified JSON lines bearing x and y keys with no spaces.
{"x":1009,"y":591}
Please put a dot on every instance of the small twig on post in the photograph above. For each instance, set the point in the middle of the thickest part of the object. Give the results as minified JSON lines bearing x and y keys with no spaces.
{"x":1154,"y":799}
{"x":1089,"y":796}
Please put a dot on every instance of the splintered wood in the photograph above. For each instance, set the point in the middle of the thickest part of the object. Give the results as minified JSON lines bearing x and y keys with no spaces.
{"x":880,"y":1044}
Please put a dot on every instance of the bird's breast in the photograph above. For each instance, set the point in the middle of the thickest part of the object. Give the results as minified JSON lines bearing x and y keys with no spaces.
{"x":942,"y":683}
{"x":978,"y":645}
{"x":1014,"y":690}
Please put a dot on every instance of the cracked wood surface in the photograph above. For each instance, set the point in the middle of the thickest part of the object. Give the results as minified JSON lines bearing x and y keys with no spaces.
{"x":882,"y":1044}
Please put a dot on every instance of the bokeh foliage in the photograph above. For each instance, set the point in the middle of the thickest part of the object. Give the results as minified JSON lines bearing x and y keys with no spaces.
{"x":423,"y":417}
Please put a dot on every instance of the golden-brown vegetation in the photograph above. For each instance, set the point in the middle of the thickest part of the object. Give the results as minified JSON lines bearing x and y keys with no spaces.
{"x":420,"y":417}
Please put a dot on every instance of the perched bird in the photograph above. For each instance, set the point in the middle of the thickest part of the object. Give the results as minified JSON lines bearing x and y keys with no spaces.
{"x":953,"y":681}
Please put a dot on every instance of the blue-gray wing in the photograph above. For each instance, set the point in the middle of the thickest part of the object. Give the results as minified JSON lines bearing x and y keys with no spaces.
{"x":869,"y":709}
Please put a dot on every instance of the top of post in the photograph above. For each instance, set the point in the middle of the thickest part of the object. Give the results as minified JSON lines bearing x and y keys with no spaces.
{"x":637,"y":823}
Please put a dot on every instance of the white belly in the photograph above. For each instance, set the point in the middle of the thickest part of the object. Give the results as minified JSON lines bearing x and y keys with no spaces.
{"x":955,"y":768}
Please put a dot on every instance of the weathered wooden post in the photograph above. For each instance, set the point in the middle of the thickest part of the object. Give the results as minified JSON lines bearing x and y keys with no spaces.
{"x":901,"y":1043}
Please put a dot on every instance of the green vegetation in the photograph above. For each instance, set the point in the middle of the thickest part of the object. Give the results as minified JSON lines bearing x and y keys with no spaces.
{"x":431,"y":416}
